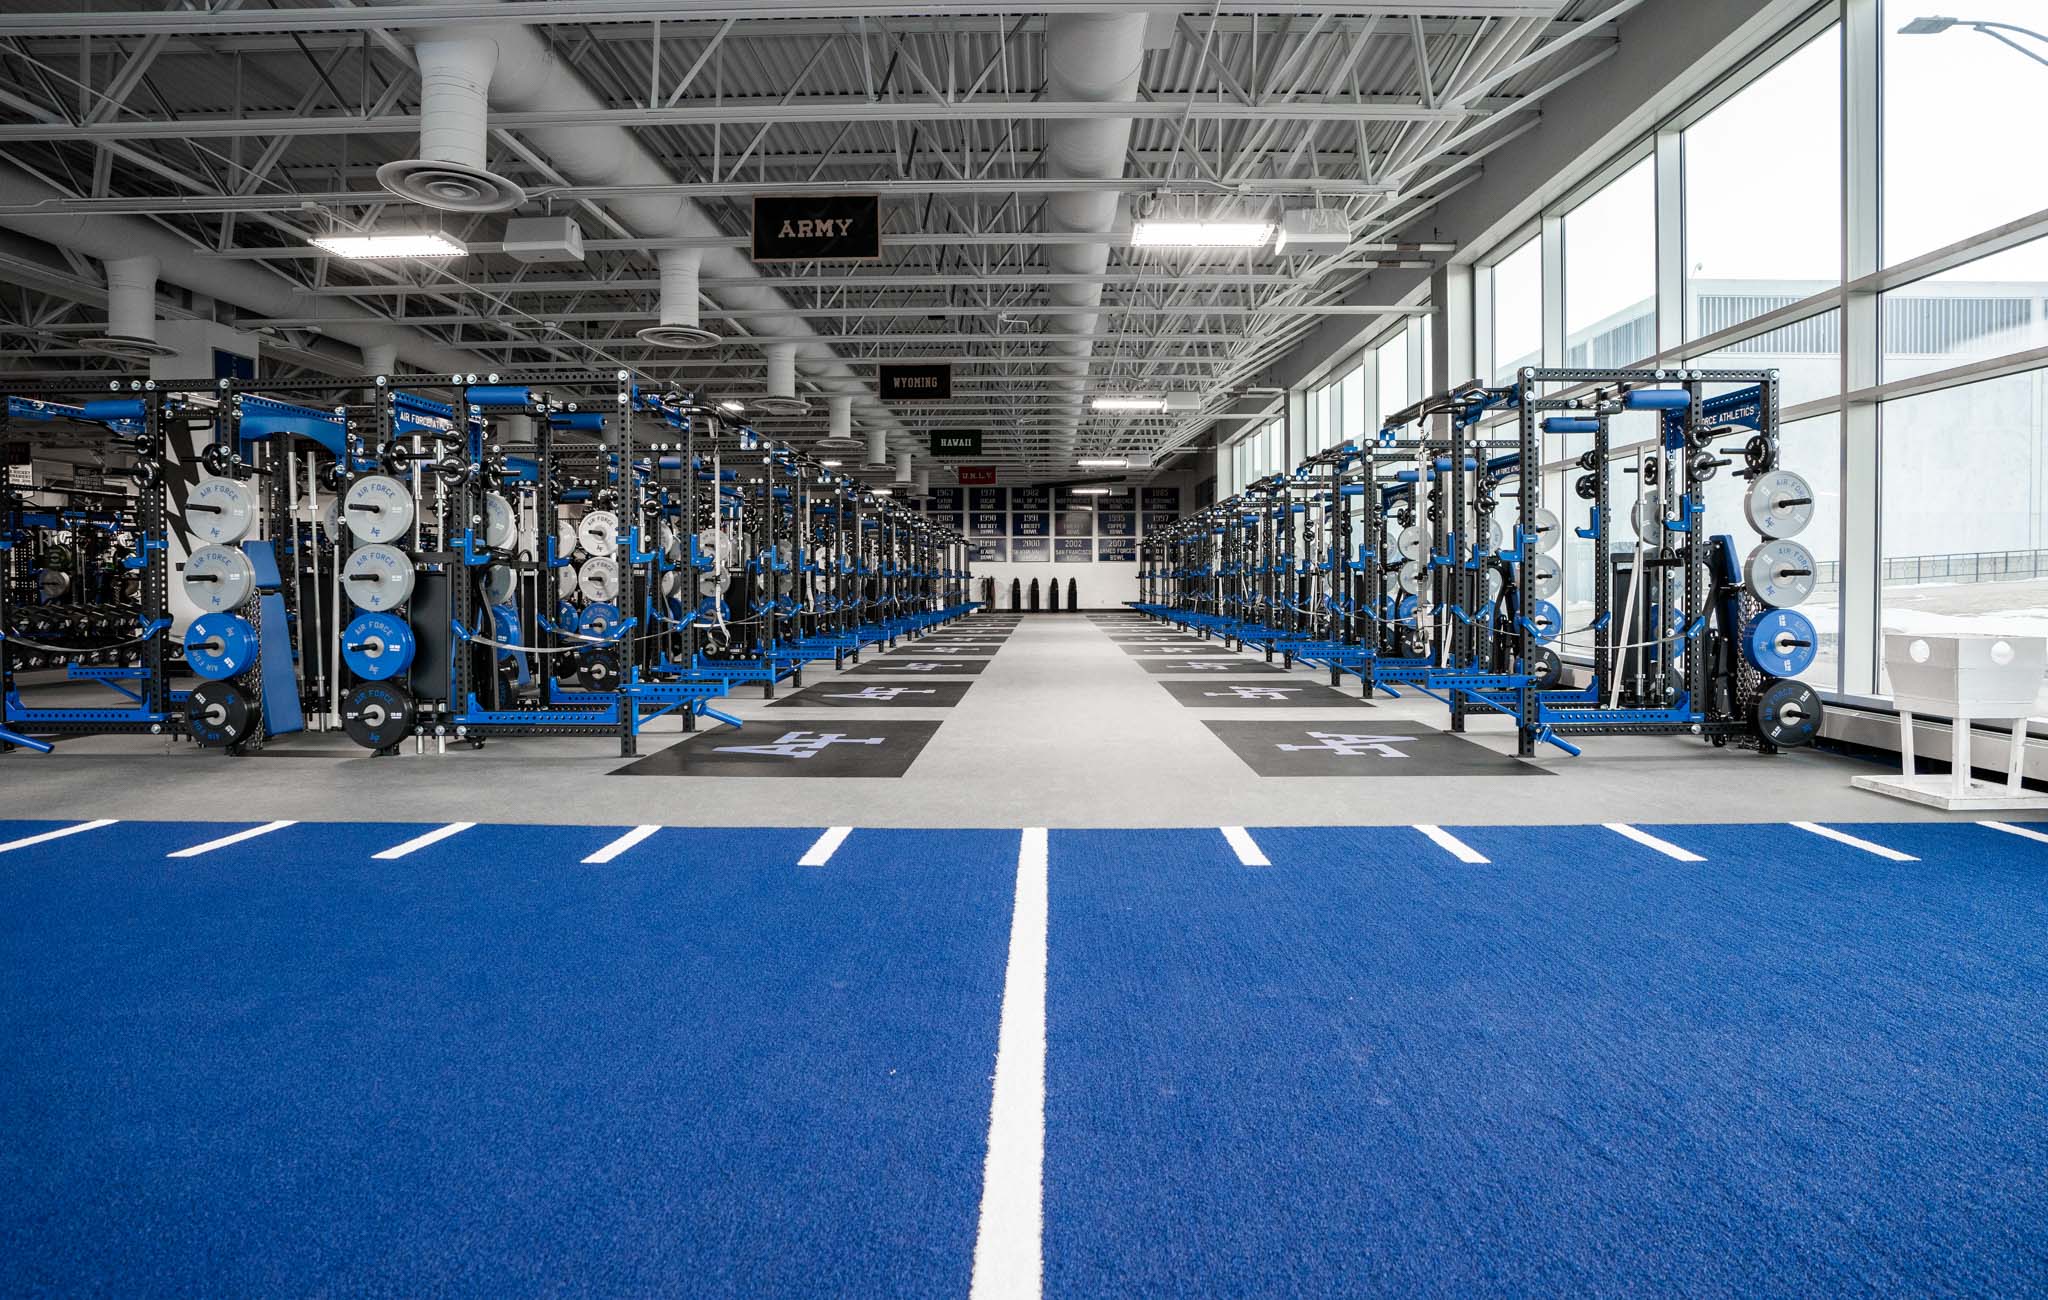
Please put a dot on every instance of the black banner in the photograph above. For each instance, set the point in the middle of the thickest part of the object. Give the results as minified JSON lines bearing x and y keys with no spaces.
{"x":987,"y":552}
{"x":1161,"y":499}
{"x":987,"y":523}
{"x":916,"y":383}
{"x":956,"y":442}
{"x":1074,"y":523}
{"x":946,"y":498}
{"x":817,"y":228}
{"x":1030,"y":550}
{"x":986,"y":498}
{"x":1074,"y":550}
{"x":1030,"y":523}
{"x":1116,"y":523}
{"x":1030,"y":498}
{"x":1116,"y":549}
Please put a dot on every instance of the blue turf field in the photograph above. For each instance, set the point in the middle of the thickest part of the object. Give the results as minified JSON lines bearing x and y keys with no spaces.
{"x":1377,"y":1066}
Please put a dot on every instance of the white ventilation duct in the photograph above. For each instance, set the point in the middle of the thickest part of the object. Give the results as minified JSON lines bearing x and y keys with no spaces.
{"x":1093,"y":57}
{"x":380,"y":359}
{"x":903,"y":467}
{"x":455,"y":85}
{"x":781,"y":398}
{"x":839,"y":433}
{"x":924,"y":483}
{"x":131,"y":311}
{"x":680,"y":327}
{"x":878,"y":447}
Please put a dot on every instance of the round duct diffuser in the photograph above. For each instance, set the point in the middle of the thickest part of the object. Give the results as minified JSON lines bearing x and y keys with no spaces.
{"x":680,"y":336}
{"x":777,"y":405}
{"x":837,"y":442}
{"x":449,"y":186}
{"x":129,"y":347}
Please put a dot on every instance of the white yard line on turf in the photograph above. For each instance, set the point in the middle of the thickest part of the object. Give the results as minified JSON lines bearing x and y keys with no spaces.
{"x":226,"y":840}
{"x":825,"y":846}
{"x":620,"y":845}
{"x":2010,"y":829}
{"x":1840,"y":837}
{"x":27,"y":841}
{"x":1009,"y":1260}
{"x":1452,"y":845}
{"x":418,"y":842}
{"x":1248,"y":851}
{"x":1649,"y":841}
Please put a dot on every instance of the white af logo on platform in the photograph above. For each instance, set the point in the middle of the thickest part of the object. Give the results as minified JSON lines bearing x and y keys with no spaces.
{"x":912,"y":667}
{"x":1352,"y":746}
{"x":1254,"y":693}
{"x":1209,"y":665}
{"x":800,"y":744}
{"x":884,"y":692}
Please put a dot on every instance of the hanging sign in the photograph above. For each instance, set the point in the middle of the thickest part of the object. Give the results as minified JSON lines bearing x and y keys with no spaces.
{"x":909,"y":383}
{"x":956,"y":442}
{"x":817,"y":228}
{"x":978,"y":476}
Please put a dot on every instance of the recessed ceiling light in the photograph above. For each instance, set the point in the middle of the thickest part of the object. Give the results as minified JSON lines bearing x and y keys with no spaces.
{"x":1201,"y":234}
{"x":419,"y":243}
{"x":1130,"y":403}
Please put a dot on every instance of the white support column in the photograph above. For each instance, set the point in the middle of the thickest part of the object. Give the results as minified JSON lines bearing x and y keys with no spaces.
{"x":1450,"y":362}
{"x":1553,"y":288}
{"x":1670,"y":175}
{"x":1862,"y":254}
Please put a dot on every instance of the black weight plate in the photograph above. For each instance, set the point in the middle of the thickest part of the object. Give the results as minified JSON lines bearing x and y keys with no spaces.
{"x":1788,"y":714}
{"x":1545,"y":669}
{"x":378,"y":715}
{"x":599,"y":671}
{"x":219,"y":713}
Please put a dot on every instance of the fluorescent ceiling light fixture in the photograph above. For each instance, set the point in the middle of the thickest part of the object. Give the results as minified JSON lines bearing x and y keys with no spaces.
{"x":1103,"y":462}
{"x":1130,"y":404}
{"x":425,"y":243}
{"x":831,"y":464}
{"x":1091,"y":492}
{"x":1201,"y":234}
{"x":732,"y":404}
{"x":884,"y":492}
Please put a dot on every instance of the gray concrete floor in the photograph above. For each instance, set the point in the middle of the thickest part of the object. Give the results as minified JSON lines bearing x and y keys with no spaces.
{"x":1063,"y":729}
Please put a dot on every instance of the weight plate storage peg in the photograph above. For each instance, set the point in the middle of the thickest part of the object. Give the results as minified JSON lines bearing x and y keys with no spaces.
{"x":377,"y":578}
{"x":217,"y":646}
{"x":1779,"y":643}
{"x":1788,"y":714}
{"x":1779,"y":573}
{"x":219,"y":714}
{"x":1779,"y":504}
{"x":378,"y":508}
{"x":220,"y":510}
{"x":217,"y":578}
{"x":378,"y":715}
{"x":377,"y":647}
{"x":599,"y":532}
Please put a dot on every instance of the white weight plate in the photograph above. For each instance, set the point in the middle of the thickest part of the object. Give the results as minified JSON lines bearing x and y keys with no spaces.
{"x":598,"y":579}
{"x":217,"y":578}
{"x":501,"y":525}
{"x":1648,"y":518}
{"x":1409,"y":577}
{"x":51,"y":584}
{"x":377,"y":577}
{"x":671,"y":543}
{"x":565,"y":539}
{"x":1770,"y":507}
{"x":1544,"y":577}
{"x":599,"y":532}
{"x":378,"y":508}
{"x":330,"y":518}
{"x":671,"y":585}
{"x":1493,"y":582}
{"x":1779,"y":573}
{"x":1549,"y":529}
{"x":220,"y":511}
{"x":500,"y":581}
{"x":565,"y":581}
{"x":1413,"y":543}
{"x":1493,"y":534}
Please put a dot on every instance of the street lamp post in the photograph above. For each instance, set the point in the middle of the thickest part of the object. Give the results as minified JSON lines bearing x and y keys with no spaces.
{"x":1995,"y":30}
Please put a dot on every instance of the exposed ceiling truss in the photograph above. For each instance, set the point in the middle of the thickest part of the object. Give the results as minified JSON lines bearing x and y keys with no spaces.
{"x":246,"y":130}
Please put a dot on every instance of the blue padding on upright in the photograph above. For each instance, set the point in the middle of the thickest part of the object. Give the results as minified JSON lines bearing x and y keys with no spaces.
{"x":1656,"y":399}
{"x":1571,"y":424}
{"x":589,"y":421}
{"x":285,"y":1068}
{"x":499,"y":396}
{"x":1581,"y":1069}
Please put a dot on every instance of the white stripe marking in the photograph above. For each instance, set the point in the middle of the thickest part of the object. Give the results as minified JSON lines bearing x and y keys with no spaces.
{"x":226,"y":840}
{"x":1452,"y":845}
{"x":1839,"y":837}
{"x":58,"y":834}
{"x":620,"y":845}
{"x":826,"y":845}
{"x":418,"y":842}
{"x":2021,"y":831}
{"x":1248,"y":851}
{"x":1009,"y":1260}
{"x":1649,"y":841}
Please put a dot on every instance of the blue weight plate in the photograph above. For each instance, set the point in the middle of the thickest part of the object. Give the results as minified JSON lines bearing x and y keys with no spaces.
{"x":1546,"y":619}
{"x":599,"y":619}
{"x":567,"y":617}
{"x":1780,"y":642}
{"x":505,"y":627}
{"x":378,"y":647}
{"x":219,"y":645}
